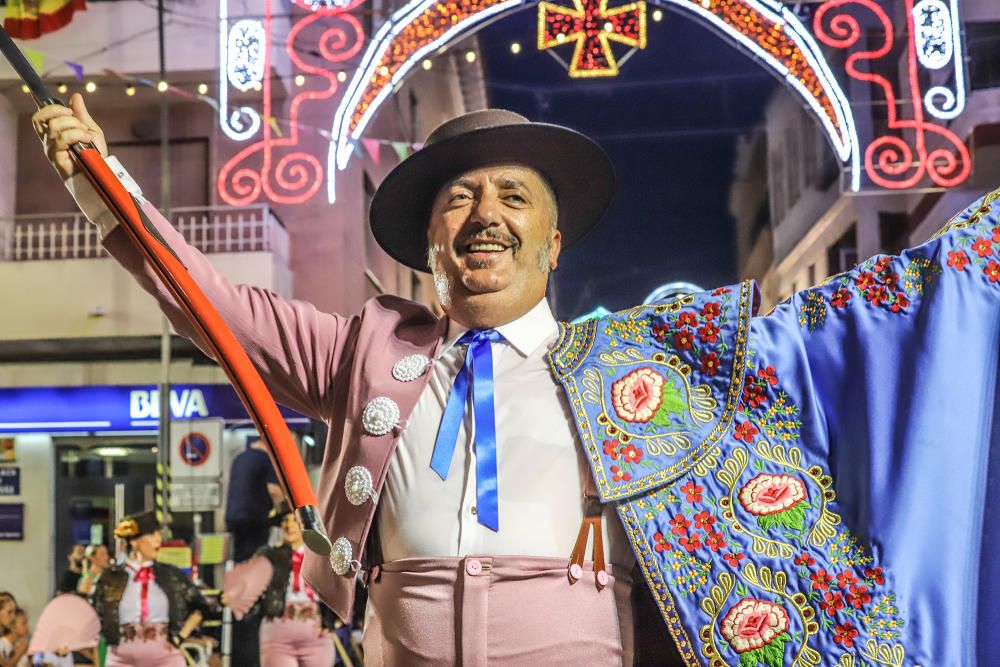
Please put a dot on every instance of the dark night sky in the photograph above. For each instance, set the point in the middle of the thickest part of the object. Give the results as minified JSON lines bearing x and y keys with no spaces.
{"x":670,"y":122}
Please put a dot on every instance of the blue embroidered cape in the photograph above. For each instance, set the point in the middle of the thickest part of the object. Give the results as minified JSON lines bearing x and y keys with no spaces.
{"x":813,"y":487}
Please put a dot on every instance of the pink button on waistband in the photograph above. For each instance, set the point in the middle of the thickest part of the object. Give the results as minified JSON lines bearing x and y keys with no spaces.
{"x":474,"y":567}
{"x":602,"y":578}
{"x":575,"y":571}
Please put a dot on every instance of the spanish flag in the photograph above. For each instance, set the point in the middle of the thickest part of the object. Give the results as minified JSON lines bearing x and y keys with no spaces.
{"x":30,"y":19}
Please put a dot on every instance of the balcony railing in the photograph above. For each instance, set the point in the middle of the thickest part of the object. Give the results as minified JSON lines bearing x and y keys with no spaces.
{"x":212,"y":229}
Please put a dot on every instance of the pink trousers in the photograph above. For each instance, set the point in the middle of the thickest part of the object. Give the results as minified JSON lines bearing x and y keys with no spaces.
{"x":294,"y":643}
{"x":500,"y":610}
{"x":144,"y":653}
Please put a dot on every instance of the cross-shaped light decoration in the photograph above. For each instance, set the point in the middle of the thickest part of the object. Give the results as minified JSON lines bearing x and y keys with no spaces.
{"x":592,"y":26}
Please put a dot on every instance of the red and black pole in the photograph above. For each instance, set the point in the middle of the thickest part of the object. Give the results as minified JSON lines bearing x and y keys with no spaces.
{"x":226,"y":349}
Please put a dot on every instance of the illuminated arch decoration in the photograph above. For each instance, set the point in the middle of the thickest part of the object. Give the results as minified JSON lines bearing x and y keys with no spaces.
{"x":591,"y":26}
{"x":274,"y":166}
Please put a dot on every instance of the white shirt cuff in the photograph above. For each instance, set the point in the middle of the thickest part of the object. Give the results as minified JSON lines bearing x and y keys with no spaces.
{"x":90,"y":202}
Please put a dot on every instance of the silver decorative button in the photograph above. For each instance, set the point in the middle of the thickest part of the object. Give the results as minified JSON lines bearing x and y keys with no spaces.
{"x":340,"y":557}
{"x":358,"y":486}
{"x":380,"y":415}
{"x":410,"y":368}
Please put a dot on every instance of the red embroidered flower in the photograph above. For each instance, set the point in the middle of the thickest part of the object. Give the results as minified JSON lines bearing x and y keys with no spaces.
{"x":637,"y":396}
{"x":832,"y":603}
{"x":877,"y":295}
{"x":661,"y":543}
{"x":687,"y":320}
{"x":754,"y":624}
{"x":709,"y":333}
{"x":710,"y":363}
{"x":882,"y":263}
{"x":679,"y":525}
{"x":996,"y":234}
{"x":859,"y":596}
{"x":746,"y":431}
{"x":767,"y":375}
{"x":683,"y":339}
{"x":845,"y":634}
{"x":611,"y":448}
{"x":693,"y":492}
{"x":890,"y":279}
{"x":660,"y":332}
{"x":992,"y":271}
{"x":805,"y":560}
{"x":703,"y":520}
{"x":711,"y":310}
{"x":719,"y":291}
{"x":845,"y":579}
{"x":631,"y":454}
{"x":619,"y":475}
{"x":900,"y":303}
{"x":875,"y":574}
{"x":958,"y":260}
{"x":753,"y":393}
{"x":865,"y":280}
{"x":840,"y":298}
{"x":715,"y":541}
{"x":821,"y":580}
{"x":692,"y":543}
{"x":983,"y":247}
{"x":734,"y":559}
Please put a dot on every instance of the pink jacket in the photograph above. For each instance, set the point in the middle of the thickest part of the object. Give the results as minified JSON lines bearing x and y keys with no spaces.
{"x":325,"y":366}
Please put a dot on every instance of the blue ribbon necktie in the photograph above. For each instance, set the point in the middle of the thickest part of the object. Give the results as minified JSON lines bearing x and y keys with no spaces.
{"x":478,"y":364}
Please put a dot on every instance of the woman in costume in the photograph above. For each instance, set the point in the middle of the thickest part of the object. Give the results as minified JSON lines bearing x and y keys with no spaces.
{"x":96,"y":560}
{"x":146,"y":608}
{"x":296,"y":627}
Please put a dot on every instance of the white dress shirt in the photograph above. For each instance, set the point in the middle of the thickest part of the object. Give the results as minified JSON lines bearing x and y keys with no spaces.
{"x":130,"y":607}
{"x":540,"y":463}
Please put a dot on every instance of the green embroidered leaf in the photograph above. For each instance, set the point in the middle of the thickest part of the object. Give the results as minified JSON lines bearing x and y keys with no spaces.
{"x":741,"y":589}
{"x":674,"y":403}
{"x":772,"y":655}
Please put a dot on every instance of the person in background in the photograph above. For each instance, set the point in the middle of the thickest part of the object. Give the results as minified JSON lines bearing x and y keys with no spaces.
{"x":146,"y":608}
{"x":253,"y":493}
{"x":96,"y":561}
{"x":71,"y":577}
{"x":13,"y":632}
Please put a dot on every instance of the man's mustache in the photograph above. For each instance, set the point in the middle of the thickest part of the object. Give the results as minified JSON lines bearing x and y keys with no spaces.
{"x":487,"y":234}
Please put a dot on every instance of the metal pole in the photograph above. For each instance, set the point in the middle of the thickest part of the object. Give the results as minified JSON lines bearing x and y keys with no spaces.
{"x":164,"y":436}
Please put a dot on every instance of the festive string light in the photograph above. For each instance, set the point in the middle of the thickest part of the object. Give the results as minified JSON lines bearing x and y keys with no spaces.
{"x":342,"y":76}
{"x":938,"y":41}
{"x":202,"y":88}
{"x":515,"y":48}
{"x":657,"y":15}
{"x":245,"y":58}
{"x":63,"y":88}
{"x":592,"y":56}
{"x":300,"y":80}
{"x":130,"y":90}
{"x":242,"y":122}
{"x":25,"y":89}
{"x":162,"y":86}
{"x":470,"y":56}
{"x":90,"y":87}
{"x":426,"y":64}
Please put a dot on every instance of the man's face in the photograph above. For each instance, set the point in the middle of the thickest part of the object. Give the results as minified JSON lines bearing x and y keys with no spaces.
{"x":7,"y":608}
{"x":101,"y":557}
{"x":491,"y":230}
{"x":290,"y":529}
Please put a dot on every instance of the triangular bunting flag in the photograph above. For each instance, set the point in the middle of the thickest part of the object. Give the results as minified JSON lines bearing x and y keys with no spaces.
{"x":77,"y":69}
{"x":402,"y":149}
{"x":373,"y":148}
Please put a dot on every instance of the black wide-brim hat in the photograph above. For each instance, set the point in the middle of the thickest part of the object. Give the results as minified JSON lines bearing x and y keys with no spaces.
{"x":138,"y":525}
{"x":277,"y":515}
{"x":578,"y":170}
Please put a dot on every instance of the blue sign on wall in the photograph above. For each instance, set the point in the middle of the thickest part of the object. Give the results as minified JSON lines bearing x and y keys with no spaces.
{"x":116,"y":408}
{"x":12,"y":521}
{"x":10,"y":481}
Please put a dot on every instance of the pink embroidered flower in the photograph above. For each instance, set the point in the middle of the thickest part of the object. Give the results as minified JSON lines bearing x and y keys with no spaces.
{"x":846,"y":578}
{"x":661,"y":543}
{"x":715,"y":541}
{"x":611,"y":448}
{"x":687,"y":320}
{"x":679,"y":525}
{"x":637,"y":396}
{"x":992,"y":271}
{"x":746,"y":432}
{"x":619,"y":475}
{"x":631,"y":454}
{"x":821,"y":580}
{"x":983,"y":247}
{"x":692,"y":492}
{"x":711,"y":310}
{"x":845,"y":634}
{"x":710,"y":363}
{"x":805,"y":560}
{"x":840,"y":298}
{"x":709,"y":333}
{"x":683,"y":339}
{"x":703,"y":520}
{"x":859,"y":596}
{"x":874,"y":574}
{"x":832,"y":603}
{"x":754,"y":624}
{"x":734,"y":559}
{"x":690,"y":543}
{"x":766,"y":494}
{"x":958,"y":260}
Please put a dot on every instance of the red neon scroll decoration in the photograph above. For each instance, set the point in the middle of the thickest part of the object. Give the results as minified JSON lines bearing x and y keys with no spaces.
{"x":890,"y":161}
{"x":297,"y":174}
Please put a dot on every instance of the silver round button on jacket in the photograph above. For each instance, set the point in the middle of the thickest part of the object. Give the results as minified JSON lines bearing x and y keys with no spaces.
{"x":380,"y":416}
